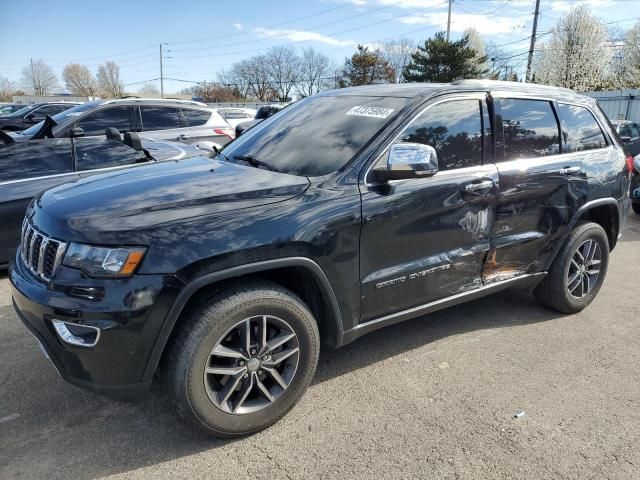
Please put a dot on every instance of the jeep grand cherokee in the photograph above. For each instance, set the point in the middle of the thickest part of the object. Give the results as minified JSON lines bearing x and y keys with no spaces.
{"x":349,"y":211}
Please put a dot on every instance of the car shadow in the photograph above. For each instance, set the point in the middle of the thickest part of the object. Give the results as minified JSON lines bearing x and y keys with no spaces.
{"x":108,"y":437}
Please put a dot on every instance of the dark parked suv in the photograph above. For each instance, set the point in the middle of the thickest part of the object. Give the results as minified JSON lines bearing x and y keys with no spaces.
{"x":349,"y":211}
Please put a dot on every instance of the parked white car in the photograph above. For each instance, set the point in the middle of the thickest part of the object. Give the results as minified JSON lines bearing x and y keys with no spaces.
{"x":157,"y":119}
{"x":234,"y":116}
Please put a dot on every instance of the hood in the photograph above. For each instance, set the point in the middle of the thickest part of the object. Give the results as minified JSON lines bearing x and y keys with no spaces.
{"x":144,"y":197}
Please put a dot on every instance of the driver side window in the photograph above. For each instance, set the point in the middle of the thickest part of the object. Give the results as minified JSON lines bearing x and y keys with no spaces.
{"x":454,"y":129}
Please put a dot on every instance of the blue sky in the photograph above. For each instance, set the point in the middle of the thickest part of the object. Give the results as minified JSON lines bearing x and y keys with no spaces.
{"x":204,"y":36}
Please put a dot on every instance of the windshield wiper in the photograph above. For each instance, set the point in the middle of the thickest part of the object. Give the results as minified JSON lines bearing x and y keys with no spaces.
{"x":254,"y":162}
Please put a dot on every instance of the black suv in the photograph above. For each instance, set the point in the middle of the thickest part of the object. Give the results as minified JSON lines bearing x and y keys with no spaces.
{"x":29,"y":115}
{"x":349,"y":211}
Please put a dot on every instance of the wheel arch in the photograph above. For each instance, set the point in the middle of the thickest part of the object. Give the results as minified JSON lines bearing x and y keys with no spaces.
{"x":606,"y":212}
{"x":300,"y":274}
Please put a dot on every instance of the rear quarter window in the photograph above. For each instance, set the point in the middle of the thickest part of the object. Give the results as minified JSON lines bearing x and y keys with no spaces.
{"x":580,"y":129}
{"x":196,"y":118}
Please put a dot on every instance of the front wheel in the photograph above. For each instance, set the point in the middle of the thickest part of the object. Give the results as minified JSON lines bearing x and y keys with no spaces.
{"x":578,"y":271}
{"x":242,"y":360}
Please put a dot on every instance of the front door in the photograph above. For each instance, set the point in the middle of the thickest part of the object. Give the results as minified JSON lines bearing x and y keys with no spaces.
{"x":426,"y":238}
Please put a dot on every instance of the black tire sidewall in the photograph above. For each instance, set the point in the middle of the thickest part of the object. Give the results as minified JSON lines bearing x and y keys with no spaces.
{"x":590,"y":232}
{"x":220,"y":321}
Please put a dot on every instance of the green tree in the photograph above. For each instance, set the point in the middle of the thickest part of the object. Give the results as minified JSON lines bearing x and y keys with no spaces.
{"x":443,"y":61}
{"x":366,"y":68}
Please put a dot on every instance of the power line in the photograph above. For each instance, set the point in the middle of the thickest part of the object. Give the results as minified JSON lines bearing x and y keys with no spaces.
{"x":270,"y":26}
{"x":262,"y":40}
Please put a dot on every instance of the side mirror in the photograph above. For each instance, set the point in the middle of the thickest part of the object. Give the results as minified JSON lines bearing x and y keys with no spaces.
{"x":409,"y":160}
{"x":76,"y":132}
{"x":31,"y":118}
{"x":625,"y":139}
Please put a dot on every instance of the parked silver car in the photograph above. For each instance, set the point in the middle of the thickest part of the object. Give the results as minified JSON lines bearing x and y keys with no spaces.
{"x":179,"y":120}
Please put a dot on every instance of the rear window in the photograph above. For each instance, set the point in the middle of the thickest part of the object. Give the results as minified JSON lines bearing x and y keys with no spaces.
{"x":317,"y":135}
{"x":35,"y":158}
{"x":530,"y":129}
{"x":160,"y":118}
{"x":196,"y":118}
{"x":581,"y":131}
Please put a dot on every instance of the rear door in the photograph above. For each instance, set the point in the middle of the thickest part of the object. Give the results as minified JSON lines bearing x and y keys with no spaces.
{"x":162,"y":122}
{"x":426,"y":238}
{"x":542,"y":185}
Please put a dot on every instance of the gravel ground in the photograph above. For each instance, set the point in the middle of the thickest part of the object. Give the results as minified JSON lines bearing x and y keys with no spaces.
{"x":431,"y":398}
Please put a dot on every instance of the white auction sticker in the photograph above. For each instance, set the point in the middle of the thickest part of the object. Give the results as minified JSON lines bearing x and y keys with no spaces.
{"x":375,"y":112}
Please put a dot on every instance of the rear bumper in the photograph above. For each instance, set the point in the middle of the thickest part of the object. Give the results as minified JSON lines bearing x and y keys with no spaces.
{"x":129,"y":317}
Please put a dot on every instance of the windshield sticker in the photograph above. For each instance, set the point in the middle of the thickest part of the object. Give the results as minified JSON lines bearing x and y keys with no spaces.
{"x":375,"y":112}
{"x":74,"y":114}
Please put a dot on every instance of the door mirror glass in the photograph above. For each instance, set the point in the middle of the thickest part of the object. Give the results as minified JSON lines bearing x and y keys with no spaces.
{"x":410,"y":160}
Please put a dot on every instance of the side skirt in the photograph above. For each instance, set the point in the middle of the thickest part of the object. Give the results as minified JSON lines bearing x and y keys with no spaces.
{"x":521,"y":281}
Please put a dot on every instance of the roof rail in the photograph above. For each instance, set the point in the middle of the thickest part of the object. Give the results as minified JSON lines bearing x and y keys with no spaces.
{"x":502,"y":83}
{"x":161,"y":100}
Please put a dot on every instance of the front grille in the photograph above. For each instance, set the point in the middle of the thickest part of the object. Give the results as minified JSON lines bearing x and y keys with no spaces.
{"x":41,"y":254}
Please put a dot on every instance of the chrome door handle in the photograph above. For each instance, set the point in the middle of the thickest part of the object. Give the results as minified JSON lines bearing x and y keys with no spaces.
{"x":474,"y":187}
{"x":570,"y":170}
{"x":183,"y":137}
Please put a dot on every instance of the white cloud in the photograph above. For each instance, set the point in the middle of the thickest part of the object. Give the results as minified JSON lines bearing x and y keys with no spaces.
{"x":302,"y":36}
{"x":238,"y":26}
{"x":488,"y":25}
{"x":358,"y":3}
{"x":566,"y":5}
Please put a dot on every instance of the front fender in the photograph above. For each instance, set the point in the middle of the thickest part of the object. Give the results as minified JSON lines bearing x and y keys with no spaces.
{"x":200,"y":282}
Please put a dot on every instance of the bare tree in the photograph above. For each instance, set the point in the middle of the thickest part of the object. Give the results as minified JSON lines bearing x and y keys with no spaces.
{"x":476,"y":42}
{"x":109,"y":81}
{"x":79,"y":80}
{"x":7,"y":89}
{"x":237,"y":78}
{"x":398,"y":53}
{"x":148,"y":88}
{"x":283,"y":70}
{"x":626,"y":61}
{"x":256,"y":71}
{"x":316,"y":72}
{"x":38,"y":78}
{"x":577,"y":53}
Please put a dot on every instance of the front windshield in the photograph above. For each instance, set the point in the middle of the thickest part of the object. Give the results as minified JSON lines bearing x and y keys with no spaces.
{"x":61,"y":117}
{"x":22,"y":111}
{"x":317,"y":135}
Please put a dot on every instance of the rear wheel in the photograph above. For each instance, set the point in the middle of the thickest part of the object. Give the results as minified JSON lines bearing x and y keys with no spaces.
{"x":243,"y":359}
{"x":578,"y":271}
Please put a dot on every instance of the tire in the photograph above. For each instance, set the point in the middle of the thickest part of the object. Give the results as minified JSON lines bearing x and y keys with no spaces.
{"x":636,"y":207}
{"x":223,"y":318}
{"x":554,"y":290}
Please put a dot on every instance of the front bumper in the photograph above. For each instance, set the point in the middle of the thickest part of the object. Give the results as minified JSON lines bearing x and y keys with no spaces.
{"x":129,"y":314}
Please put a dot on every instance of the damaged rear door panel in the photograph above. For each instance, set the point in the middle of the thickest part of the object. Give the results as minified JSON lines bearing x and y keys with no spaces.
{"x":424,"y":239}
{"x":541,"y":187}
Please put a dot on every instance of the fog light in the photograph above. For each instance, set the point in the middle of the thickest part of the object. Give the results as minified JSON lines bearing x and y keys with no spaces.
{"x":74,"y":334}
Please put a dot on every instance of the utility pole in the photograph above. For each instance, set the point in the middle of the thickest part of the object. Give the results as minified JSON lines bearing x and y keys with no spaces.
{"x":161,"y":75}
{"x":533,"y":41}
{"x":449,"y":20}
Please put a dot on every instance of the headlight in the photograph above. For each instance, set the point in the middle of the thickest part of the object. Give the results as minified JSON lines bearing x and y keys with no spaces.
{"x":104,"y":261}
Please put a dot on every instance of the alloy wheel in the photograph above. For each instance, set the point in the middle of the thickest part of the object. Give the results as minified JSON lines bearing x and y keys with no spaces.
{"x":252,"y":364}
{"x":584,"y":269}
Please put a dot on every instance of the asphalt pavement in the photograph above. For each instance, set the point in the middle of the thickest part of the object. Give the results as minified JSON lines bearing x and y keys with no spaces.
{"x":434,"y":397}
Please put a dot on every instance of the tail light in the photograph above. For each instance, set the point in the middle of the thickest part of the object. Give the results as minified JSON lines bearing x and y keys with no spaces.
{"x":629,"y":160}
{"x":231,"y":133}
